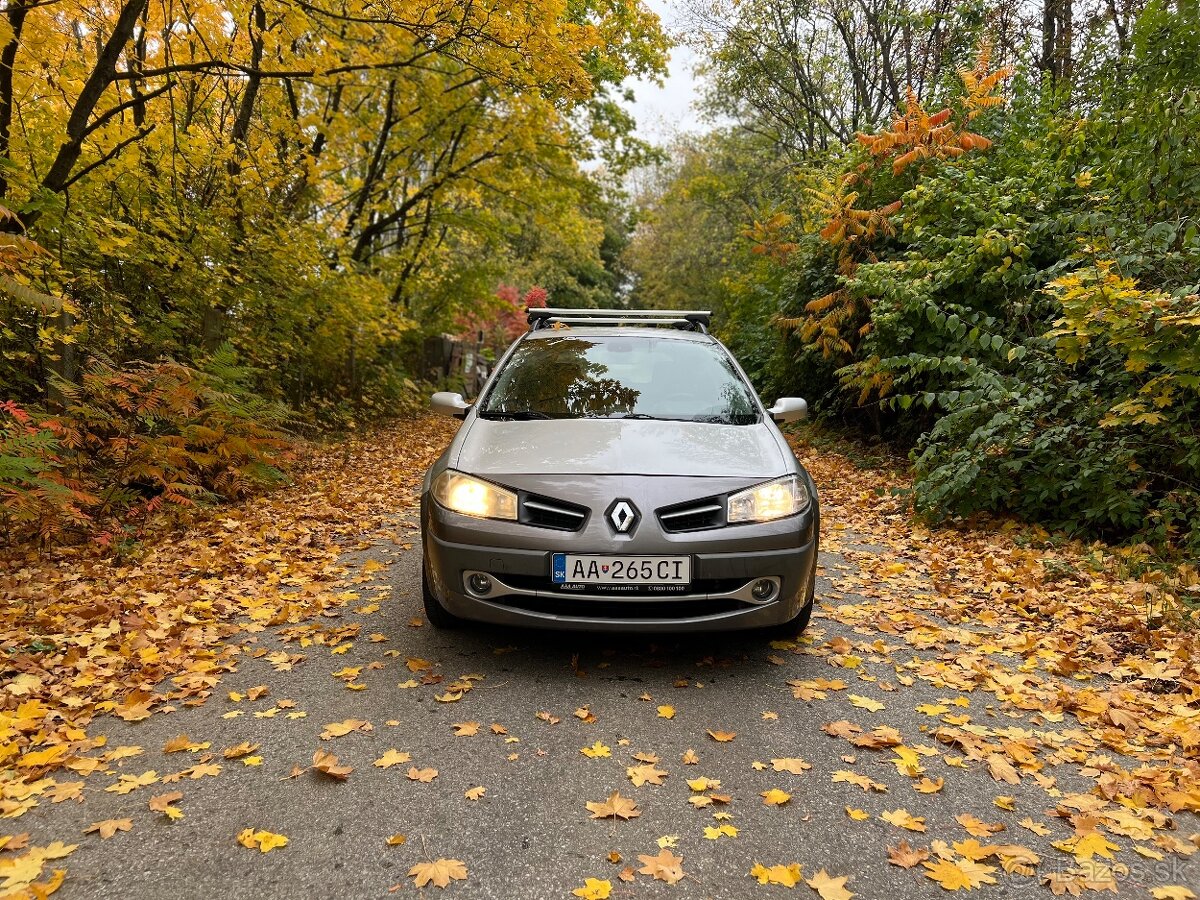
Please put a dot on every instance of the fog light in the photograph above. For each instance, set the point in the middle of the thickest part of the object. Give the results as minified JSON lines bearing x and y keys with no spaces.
{"x":479,"y":583}
{"x":763,"y":589}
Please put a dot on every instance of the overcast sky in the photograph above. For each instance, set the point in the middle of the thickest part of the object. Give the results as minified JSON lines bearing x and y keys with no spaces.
{"x":661,"y":111}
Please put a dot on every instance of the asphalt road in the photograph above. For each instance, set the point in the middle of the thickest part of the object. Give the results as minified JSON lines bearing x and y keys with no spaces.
{"x":530,"y":835}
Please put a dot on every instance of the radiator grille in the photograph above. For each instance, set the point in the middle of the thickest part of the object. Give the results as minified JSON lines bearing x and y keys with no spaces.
{"x":546,"y":513}
{"x":695,"y":515}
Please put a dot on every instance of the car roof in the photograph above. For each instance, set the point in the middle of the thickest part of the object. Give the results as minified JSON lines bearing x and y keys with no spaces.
{"x":625,"y":331}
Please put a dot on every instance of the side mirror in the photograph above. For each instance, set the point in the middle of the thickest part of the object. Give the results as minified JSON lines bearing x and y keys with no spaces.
{"x":446,"y":403}
{"x":789,"y":409}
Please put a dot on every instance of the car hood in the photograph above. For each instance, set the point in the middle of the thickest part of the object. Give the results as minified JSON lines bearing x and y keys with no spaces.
{"x":619,"y":447}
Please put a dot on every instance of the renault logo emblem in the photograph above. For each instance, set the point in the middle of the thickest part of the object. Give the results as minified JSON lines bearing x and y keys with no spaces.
{"x":623,"y":516}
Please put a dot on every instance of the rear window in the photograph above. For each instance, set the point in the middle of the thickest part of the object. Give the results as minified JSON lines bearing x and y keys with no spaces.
{"x":602,"y":376}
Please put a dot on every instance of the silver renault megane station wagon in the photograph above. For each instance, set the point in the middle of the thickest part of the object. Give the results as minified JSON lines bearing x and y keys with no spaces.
{"x":618,"y":472}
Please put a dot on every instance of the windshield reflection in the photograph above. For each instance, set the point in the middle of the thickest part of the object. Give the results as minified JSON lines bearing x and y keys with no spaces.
{"x":613,"y":376}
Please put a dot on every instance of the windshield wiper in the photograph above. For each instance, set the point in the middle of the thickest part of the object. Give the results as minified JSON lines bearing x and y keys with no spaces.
{"x":636,"y":416}
{"x":523,"y":415}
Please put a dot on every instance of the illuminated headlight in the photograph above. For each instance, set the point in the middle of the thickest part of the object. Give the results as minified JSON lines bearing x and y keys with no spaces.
{"x":472,"y":497}
{"x":766,"y":502}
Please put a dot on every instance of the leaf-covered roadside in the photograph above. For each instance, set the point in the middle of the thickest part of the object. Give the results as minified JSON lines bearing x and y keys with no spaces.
{"x":85,"y":635}
{"x":968,"y":710}
{"x":1093,"y":646}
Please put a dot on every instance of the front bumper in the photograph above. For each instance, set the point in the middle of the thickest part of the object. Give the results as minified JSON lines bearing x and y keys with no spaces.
{"x":516,"y":557}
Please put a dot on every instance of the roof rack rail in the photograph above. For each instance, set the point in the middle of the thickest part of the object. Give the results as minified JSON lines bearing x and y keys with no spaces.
{"x":545,"y":317}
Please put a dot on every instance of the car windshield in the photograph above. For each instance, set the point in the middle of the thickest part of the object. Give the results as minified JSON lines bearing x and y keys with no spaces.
{"x":614,"y":377}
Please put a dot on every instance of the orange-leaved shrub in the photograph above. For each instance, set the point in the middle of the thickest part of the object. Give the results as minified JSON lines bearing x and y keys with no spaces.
{"x":130,"y":440}
{"x":35,"y":495}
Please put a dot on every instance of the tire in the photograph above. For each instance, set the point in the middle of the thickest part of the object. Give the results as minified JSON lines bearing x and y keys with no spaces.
{"x":795,"y":627}
{"x":435,"y":613}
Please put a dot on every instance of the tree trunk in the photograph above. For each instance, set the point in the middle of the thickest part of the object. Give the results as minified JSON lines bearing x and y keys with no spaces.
{"x":59,"y":174}
{"x":16,"y":12}
{"x":1058,"y":34}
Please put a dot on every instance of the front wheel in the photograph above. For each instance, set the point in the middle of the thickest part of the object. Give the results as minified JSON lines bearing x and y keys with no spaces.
{"x":438,"y":615}
{"x":795,"y":627}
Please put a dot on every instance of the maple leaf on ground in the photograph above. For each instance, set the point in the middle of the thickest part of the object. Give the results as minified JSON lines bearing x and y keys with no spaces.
{"x":690,"y":758}
{"x":975,"y":851}
{"x":1036,"y":827}
{"x":865,"y":703}
{"x":1172,"y":892}
{"x":393,"y":757}
{"x":422,"y":775}
{"x":439,"y":872}
{"x":666,"y":712}
{"x":858,"y":780}
{"x":666,"y":866}
{"x":162,"y":803}
{"x":858,"y":815}
{"x":828,"y":887}
{"x":1002,"y":769}
{"x":905,"y":856}
{"x":704,"y":784}
{"x":475,"y":793}
{"x":594,"y":889}
{"x":787,"y":876}
{"x":182,"y":743}
{"x":396,"y":840}
{"x":125,"y":752}
{"x":977,"y":827}
{"x":792,"y":765}
{"x":841,"y":728}
{"x":615,"y":807}
{"x":723,"y":737}
{"x":65,"y":790}
{"x":238,"y":751}
{"x":262,"y":841}
{"x":47,"y":756}
{"x":135,"y":712}
{"x":903,"y":819}
{"x":109,"y":827}
{"x":1086,"y":846}
{"x":465,"y":729}
{"x":645,"y":774}
{"x":326,"y":763}
{"x":54,"y":850}
{"x":713,"y":833}
{"x":775,"y":797}
{"x":878,"y":738}
{"x":1016,"y":859}
{"x":596,"y":751}
{"x":340,"y":729}
{"x":14,"y":841}
{"x":132,"y":782}
{"x":956,"y":875}
{"x":1093,"y":877}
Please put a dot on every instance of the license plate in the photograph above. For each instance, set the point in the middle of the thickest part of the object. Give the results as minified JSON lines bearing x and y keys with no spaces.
{"x":570,"y":568}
